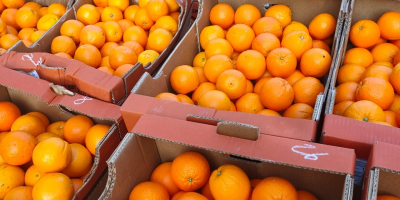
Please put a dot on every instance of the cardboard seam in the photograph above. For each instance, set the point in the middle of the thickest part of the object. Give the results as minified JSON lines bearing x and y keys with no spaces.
{"x":375,"y":184}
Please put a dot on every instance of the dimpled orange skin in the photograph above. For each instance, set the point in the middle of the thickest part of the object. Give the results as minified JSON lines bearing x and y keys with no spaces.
{"x":52,"y":155}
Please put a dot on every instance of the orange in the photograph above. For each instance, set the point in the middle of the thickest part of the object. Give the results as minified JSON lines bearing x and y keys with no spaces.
{"x":388,"y":25}
{"x":260,"y":83}
{"x":125,"y":24}
{"x":386,"y":64}
{"x":20,"y":192}
{"x":240,"y":36}
{"x":206,"y":191}
{"x":113,"y":31}
{"x":178,"y":195}
{"x":346,"y":92}
{"x":78,"y":183}
{"x":350,"y":73}
{"x":142,"y":19}
{"x":63,"y":44}
{"x":294,"y":26}
{"x":339,"y":108}
{"x":3,"y":28}
{"x":148,"y":56}
{"x":218,"y":46}
{"x":33,"y":5}
{"x":107,"y":69}
{"x":130,"y":12}
{"x":173,"y":6}
{"x":184,"y":79}
{"x":293,"y":78}
{"x":8,"y":40}
{"x":2,"y":51}
{"x":265,"y":43}
{"x":366,"y":111}
{"x":322,"y":26}
{"x":10,"y":178}
{"x":157,"y":9}
{"x":376,"y":90}
{"x":190,"y":171}
{"x":122,"y":55}
{"x":25,"y":33}
{"x":202,"y":89}
{"x":247,"y":14}
{"x":298,"y":42}
{"x":162,"y":175}
{"x":251,"y":63}
{"x":26,"y":17}
{"x":94,"y":136}
{"x":250,"y":103}
{"x":8,"y":16}
{"x":42,"y":11}
{"x":395,"y":42}
{"x":106,"y":49}
{"x":359,"y":56}
{"x":121,"y":70}
{"x":268,"y":25}
{"x":37,"y":35}
{"x":280,"y":12}
{"x":111,"y":13}
{"x":322,"y":45}
{"x":215,"y":99}
{"x":56,"y":9}
{"x":364,"y":33}
{"x":391,"y":118}
{"x":81,"y":161}
{"x":174,"y":15}
{"x":210,"y":32}
{"x":304,"y":195}
{"x":306,"y":90}
{"x":27,"y":43}
{"x":168,"y":23}
{"x":159,"y":40}
{"x":253,"y":183}
{"x":215,"y":65}
{"x":315,"y":62}
{"x":72,"y":28}
{"x":57,"y":128}
{"x":52,"y":155}
{"x":121,"y":4}
{"x":200,"y":59}
{"x":192,"y":196}
{"x":53,"y":186}
{"x":222,"y":15}
{"x":93,"y":35}
{"x":45,"y":135}
{"x":395,"y":106}
{"x":394,"y":78}
{"x":32,"y":175}
{"x":135,"y":33}
{"x":232,"y":82}
{"x":379,"y":41}
{"x":386,"y":197}
{"x":168,"y":96}
{"x":276,"y":94}
{"x":2,"y":7}
{"x":88,"y":14}
{"x":185,"y":99}
{"x":9,"y":112}
{"x":249,"y":87}
{"x":89,"y":55}
{"x":378,"y":71}
{"x":384,"y":52}
{"x":101,"y":3}
{"x":268,"y":112}
{"x":76,"y":128}
{"x":30,"y":124}
{"x":135,"y":46}
{"x":300,"y":111}
{"x":16,"y":147}
{"x":149,"y":190}
{"x":229,"y":182}
{"x":11,"y":30}
{"x":272,"y":187}
{"x":281,"y":62}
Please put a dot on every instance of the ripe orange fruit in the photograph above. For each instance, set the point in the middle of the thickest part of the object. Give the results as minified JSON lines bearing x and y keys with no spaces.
{"x":281,"y":62}
{"x":366,"y":111}
{"x":130,"y":12}
{"x":157,"y":9}
{"x":33,"y":5}
{"x":42,"y":11}
{"x":322,"y":26}
{"x":78,"y":183}
{"x":386,"y":64}
{"x":45,"y":135}
{"x":175,"y":14}
{"x":106,"y":49}
{"x":206,"y":191}
{"x":232,"y":82}
{"x":359,"y":56}
{"x":250,"y":103}
{"x":249,"y":87}
{"x":168,"y":23}
{"x":9,"y":112}
{"x":57,"y":128}
{"x":378,"y":71}
{"x":113,"y":31}
{"x":306,"y":90}
{"x":149,"y":190}
{"x":16,"y":147}
{"x":384,"y":52}
{"x":36,"y":35}
{"x":93,"y":35}
{"x":8,"y":16}
{"x":13,"y":3}
{"x":280,"y":12}
{"x":8,"y":40}
{"x":265,"y":43}
{"x":135,"y":46}
{"x":346,"y":92}
{"x":229,"y":182}
{"x":272,"y":187}
{"x":88,"y":14}
{"x":53,"y":186}
{"x":202,"y":89}
{"x":379,"y":41}
{"x":304,"y":195}
{"x":276,"y":94}
{"x":135,"y":33}
{"x":293,"y":78}
{"x":210,"y":32}
{"x":20,"y":192}
{"x":268,"y":112}
{"x":395,"y":106}
{"x":240,"y":36}
{"x":201,"y":74}
{"x":10,"y":177}
{"x":32,"y":175}
{"x":125,"y":24}
{"x":247,"y":14}
{"x":298,"y":42}
{"x":215,"y":99}
{"x":251,"y":63}
{"x":260,"y":83}
{"x":295,"y":26}
{"x":200,"y":59}
{"x":218,"y":46}
{"x":107,"y":69}
{"x":81,"y":161}
{"x":168,"y":96}
{"x":47,"y":21}
{"x":89,"y":55}
{"x":394,"y":78}
{"x":159,"y":40}
{"x":364,"y":33}
{"x":142,"y":19}
{"x":386,"y":197}
{"x":148,"y":56}
{"x":185,"y":99}
{"x":350,"y":73}
{"x":122,"y":55}
{"x":121,"y":70}
{"x":56,"y":9}
{"x":162,"y":175}
{"x":30,"y":124}
{"x":339,"y":108}
{"x":190,"y":171}
{"x":111,"y":13}
{"x":215,"y":65}
{"x":63,"y":44}
{"x":315,"y":62}
{"x":322,"y":45}
{"x":222,"y":15}
{"x":121,"y":4}
{"x":391,"y":118}
{"x":25,"y":33}
{"x":52,"y":155}
{"x":94,"y":136}
{"x":268,"y":25}
{"x":178,"y":195}
{"x":184,"y":79}
{"x":300,"y":111}
{"x":387,"y":23}
{"x":26,"y":17}
{"x":72,"y":28}
{"x":101,"y":3}
{"x":376,"y":90}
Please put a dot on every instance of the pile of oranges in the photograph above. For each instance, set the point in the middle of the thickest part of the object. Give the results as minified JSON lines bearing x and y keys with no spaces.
{"x":256,"y":64}
{"x":39,"y":160}
{"x":190,"y":172}
{"x":369,"y":80}
{"x":26,"y":21}
{"x":113,"y":35}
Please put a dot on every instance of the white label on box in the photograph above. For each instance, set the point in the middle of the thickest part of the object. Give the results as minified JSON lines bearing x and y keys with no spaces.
{"x":30,"y":58}
{"x":32,"y":73}
{"x":308,"y":156}
{"x":359,"y":171}
{"x":82,"y":100}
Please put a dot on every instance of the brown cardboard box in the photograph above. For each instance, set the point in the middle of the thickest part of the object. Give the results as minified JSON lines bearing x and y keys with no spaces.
{"x":33,"y":94}
{"x":131,"y":77}
{"x":382,"y":175}
{"x":325,"y":171}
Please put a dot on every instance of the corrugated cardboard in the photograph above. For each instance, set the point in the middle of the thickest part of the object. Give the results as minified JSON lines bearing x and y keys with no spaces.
{"x":382,"y":175}
{"x":33,"y":94}
{"x":325,"y":171}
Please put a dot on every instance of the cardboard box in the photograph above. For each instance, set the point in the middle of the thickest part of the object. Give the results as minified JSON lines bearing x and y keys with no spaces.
{"x":33,"y":94}
{"x":325,"y":171}
{"x":189,"y":47}
{"x":382,"y":175}
{"x":131,"y":77}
